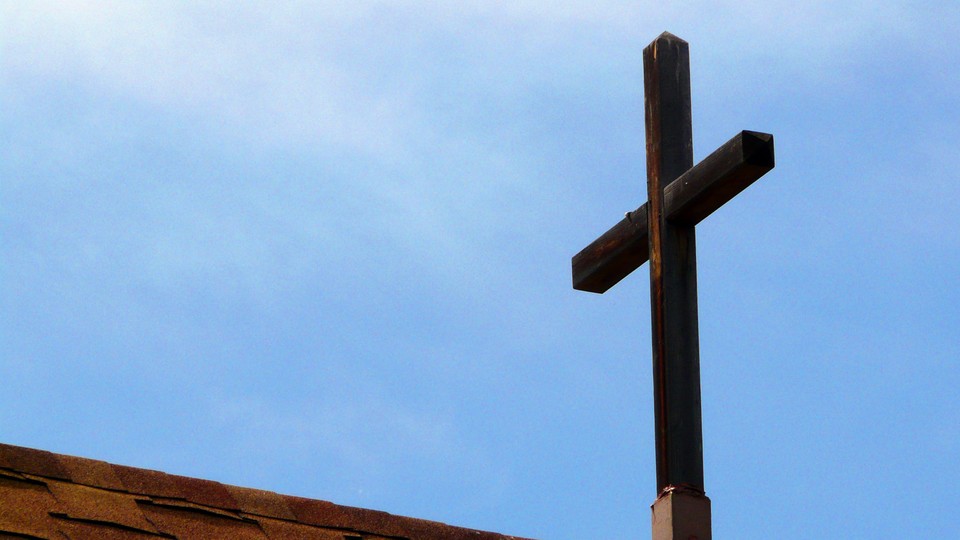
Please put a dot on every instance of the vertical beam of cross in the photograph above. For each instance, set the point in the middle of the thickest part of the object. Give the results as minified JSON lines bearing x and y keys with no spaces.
{"x":673,"y":269}
{"x":662,"y":231}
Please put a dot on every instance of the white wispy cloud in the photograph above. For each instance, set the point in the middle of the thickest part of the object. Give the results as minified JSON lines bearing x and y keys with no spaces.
{"x":266,"y":70}
{"x":374,"y":79}
{"x":295,"y":72}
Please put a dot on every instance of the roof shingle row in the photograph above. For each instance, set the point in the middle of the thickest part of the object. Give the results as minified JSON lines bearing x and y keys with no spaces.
{"x":47,"y":495}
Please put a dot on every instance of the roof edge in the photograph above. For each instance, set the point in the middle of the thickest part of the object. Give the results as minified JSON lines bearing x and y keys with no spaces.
{"x":220,"y":497}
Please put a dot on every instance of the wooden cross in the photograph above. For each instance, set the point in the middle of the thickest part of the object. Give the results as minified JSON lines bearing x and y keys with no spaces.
{"x":679,"y":196}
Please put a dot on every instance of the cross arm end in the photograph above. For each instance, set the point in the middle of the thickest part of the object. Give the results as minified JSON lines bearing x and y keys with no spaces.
{"x":613,"y":255}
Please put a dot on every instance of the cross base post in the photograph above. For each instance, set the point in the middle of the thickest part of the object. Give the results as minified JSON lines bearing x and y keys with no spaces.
{"x":681,"y":515}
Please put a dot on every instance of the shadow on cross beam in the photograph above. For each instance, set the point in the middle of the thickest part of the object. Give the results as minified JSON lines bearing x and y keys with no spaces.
{"x":688,"y":199}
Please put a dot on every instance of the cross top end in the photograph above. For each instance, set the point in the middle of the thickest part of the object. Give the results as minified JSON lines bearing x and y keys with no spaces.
{"x":668,"y":37}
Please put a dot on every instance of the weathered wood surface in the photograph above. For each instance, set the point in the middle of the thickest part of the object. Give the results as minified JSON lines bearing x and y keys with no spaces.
{"x":662,"y":231}
{"x":614,"y":255}
{"x":673,"y":268}
{"x":689,"y":199}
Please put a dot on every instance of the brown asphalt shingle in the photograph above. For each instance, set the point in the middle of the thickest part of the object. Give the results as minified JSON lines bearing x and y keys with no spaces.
{"x":52,"y":496}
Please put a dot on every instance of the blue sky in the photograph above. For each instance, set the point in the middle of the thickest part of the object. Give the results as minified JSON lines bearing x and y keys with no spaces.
{"x":324,"y":249}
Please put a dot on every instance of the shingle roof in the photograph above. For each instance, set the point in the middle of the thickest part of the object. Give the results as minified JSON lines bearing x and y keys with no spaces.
{"x":47,"y":495}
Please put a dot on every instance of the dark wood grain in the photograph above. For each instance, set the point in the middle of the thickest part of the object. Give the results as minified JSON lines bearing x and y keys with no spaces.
{"x":673,"y":268}
{"x":663,"y":232}
{"x":719,"y":178}
{"x":699,"y":192}
{"x":613,"y":255}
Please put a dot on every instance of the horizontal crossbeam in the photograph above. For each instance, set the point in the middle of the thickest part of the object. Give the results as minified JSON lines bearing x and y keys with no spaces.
{"x":689,"y":199}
